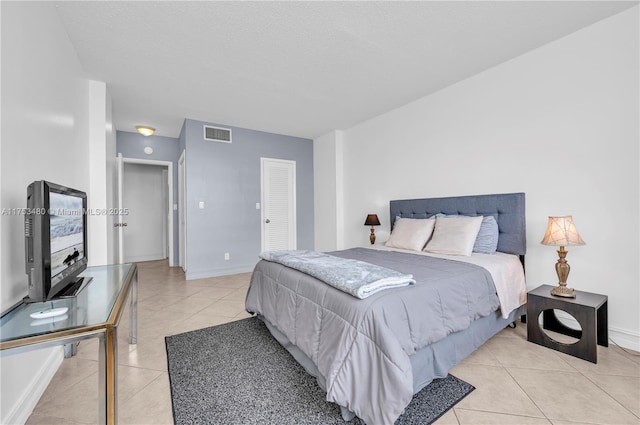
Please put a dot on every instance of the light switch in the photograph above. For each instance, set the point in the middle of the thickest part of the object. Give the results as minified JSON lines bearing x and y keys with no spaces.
{"x":257,"y":205}
{"x":201,"y":205}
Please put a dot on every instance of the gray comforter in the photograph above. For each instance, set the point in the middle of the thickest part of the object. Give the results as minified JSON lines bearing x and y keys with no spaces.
{"x":358,"y":278}
{"x":362,"y":347}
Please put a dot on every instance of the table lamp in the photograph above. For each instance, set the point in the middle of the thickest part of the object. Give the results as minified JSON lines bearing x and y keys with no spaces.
{"x":562,"y":232}
{"x":372,"y":220}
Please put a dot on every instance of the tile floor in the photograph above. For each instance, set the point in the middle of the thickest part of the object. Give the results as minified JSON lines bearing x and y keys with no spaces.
{"x":516,"y":382}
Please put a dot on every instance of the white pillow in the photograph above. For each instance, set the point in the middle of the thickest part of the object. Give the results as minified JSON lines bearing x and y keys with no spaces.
{"x":454,"y":235}
{"x":410,"y":233}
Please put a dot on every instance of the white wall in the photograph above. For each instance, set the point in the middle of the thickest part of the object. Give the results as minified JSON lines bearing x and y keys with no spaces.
{"x":111,"y":182}
{"x":44,"y":122}
{"x":560,"y":123}
{"x":102,"y":153}
{"x":44,"y":135}
{"x":328,"y":185}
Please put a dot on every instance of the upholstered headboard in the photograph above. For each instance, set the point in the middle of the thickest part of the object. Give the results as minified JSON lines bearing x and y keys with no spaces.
{"x":508,"y":209}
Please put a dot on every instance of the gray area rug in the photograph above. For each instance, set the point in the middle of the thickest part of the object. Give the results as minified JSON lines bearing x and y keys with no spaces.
{"x":237,"y":373}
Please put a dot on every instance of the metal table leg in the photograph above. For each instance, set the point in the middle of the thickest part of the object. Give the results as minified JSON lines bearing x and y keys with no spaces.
{"x":108,"y":376}
{"x":133,"y":328}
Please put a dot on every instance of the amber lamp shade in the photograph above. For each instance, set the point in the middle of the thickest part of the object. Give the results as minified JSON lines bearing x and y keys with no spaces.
{"x":372,"y":220}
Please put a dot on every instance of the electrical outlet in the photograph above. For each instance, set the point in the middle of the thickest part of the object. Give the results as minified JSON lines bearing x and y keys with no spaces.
{"x":226,"y":256}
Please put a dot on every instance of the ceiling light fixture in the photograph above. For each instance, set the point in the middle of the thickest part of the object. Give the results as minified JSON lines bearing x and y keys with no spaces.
{"x":144,"y":130}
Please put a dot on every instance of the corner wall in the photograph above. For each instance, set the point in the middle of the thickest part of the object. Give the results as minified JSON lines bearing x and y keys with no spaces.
{"x":226,"y":177}
{"x":328,"y":185}
{"x":560,"y":123}
{"x":101,"y":142}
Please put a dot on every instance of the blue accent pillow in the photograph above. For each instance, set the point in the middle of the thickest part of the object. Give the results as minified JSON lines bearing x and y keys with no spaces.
{"x":487,"y":239}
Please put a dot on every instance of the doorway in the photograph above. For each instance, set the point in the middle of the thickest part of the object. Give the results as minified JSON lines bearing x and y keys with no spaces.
{"x":145,"y":232}
{"x":144,"y":195}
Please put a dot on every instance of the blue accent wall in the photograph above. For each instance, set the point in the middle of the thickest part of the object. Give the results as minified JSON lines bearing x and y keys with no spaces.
{"x":131,"y":145}
{"x":226,"y":177}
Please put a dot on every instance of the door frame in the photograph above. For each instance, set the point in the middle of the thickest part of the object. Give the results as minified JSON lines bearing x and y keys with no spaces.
{"x":119,"y":218}
{"x":169,"y":165}
{"x":165,"y":217}
{"x":294,"y":230}
{"x":182,"y":211}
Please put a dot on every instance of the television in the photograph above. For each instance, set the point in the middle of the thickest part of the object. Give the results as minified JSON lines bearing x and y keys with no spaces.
{"x":55,"y":240}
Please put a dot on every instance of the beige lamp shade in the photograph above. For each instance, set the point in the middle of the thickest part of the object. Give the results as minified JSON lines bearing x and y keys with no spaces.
{"x":561,"y":232}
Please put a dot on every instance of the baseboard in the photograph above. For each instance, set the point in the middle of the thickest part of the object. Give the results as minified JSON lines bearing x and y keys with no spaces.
{"x":219,"y":272}
{"x":142,"y":258}
{"x":619,"y":336}
{"x":624,"y":338}
{"x":20,"y":412}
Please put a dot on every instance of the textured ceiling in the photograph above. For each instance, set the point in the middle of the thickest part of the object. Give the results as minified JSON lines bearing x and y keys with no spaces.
{"x":300,"y":68}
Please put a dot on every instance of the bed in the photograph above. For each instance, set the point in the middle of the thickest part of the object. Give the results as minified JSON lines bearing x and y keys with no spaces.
{"x":371,"y":355}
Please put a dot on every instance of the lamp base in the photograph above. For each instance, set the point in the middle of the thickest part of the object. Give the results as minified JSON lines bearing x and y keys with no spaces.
{"x":563,"y":291}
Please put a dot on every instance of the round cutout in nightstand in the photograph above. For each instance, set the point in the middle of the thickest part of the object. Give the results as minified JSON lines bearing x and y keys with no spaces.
{"x":567,"y":321}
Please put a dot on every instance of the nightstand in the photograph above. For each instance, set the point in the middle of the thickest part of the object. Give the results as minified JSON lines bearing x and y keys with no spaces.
{"x":590,"y":310}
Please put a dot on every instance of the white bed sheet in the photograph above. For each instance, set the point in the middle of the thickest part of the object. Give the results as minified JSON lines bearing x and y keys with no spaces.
{"x":505,"y":269}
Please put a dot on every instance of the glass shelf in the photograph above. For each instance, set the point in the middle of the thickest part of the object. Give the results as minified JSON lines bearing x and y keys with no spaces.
{"x":91,"y":306}
{"x":94,"y":312}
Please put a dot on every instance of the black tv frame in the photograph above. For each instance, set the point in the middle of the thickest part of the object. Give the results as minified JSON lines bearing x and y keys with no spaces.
{"x":42,"y":286}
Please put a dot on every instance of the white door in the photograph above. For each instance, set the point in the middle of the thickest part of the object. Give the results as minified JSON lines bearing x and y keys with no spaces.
{"x":278,"y":204}
{"x":182,"y":212}
{"x":145,"y":232}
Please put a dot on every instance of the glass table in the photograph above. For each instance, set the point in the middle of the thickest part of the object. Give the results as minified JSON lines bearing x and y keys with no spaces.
{"x":94,"y":312}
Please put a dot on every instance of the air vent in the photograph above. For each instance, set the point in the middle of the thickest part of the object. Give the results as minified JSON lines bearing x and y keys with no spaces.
{"x":217,"y":134}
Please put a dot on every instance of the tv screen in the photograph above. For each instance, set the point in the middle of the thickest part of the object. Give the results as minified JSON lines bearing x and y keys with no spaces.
{"x":55,"y":240}
{"x":66,"y":230}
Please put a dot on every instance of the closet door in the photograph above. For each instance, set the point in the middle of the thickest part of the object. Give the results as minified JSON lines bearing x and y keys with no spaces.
{"x":278,"y":204}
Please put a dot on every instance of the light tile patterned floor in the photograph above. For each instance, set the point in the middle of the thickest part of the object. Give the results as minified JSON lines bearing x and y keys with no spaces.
{"x":516,"y":382}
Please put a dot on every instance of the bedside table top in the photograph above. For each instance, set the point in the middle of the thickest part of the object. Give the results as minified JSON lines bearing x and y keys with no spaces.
{"x":582,"y":298}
